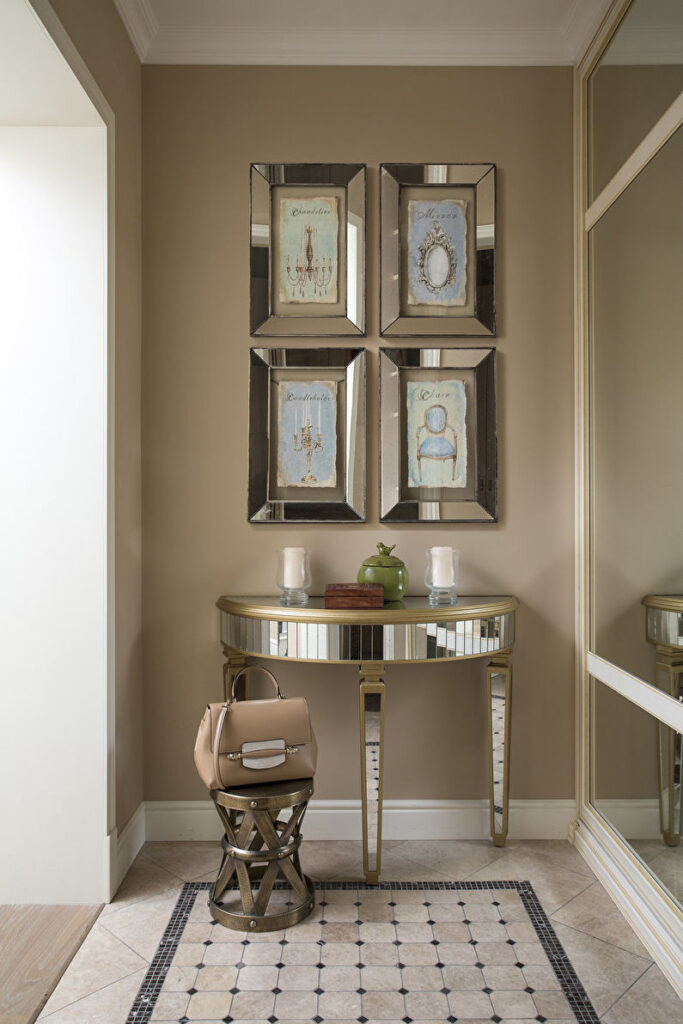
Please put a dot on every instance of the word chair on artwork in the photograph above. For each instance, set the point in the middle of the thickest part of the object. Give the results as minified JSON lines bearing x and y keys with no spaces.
{"x":440,"y":442}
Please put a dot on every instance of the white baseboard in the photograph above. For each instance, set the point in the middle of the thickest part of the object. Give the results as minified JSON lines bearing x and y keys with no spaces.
{"x":125,"y":848}
{"x":637,"y":819}
{"x":402,"y":819}
{"x":652,"y":914}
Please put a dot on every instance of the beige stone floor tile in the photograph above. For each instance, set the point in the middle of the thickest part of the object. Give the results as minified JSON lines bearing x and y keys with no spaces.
{"x":170,"y":1006}
{"x":296,"y":1005}
{"x":553,"y":887}
{"x":594,"y":912}
{"x":142,"y":924}
{"x":179,"y":979}
{"x":205,"y":1005}
{"x":556,"y":854}
{"x":251,"y":1005}
{"x":463,"y":978}
{"x":605,"y":970}
{"x":341,"y":932}
{"x":383,"y":979}
{"x":339,"y":1005}
{"x":409,"y":913}
{"x":415,"y":932}
{"x":457,"y":954}
{"x":186,"y":860}
{"x":427,"y":1005}
{"x":480,"y":913}
{"x":189,"y":953}
{"x":342,"y":979}
{"x":339,"y":954}
{"x":144,"y":879}
{"x":109,"y":1005}
{"x":540,"y":976}
{"x":488,"y":931}
{"x":446,"y":912}
{"x":215,"y":979}
{"x":530,"y":953}
{"x":298,"y":978}
{"x":101,"y":960}
{"x":260,"y":978}
{"x":418,"y":954}
{"x":650,"y":999}
{"x":303,"y":954}
{"x":378,"y":932}
{"x":258,"y":954}
{"x":513,"y":1003}
{"x":470,"y":1005}
{"x":552,"y":1003}
{"x":452,"y":931}
{"x":453,"y":858}
{"x":381,"y":1005}
{"x":380,"y":954}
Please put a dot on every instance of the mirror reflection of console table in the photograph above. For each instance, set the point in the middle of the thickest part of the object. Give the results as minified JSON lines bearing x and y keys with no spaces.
{"x":409,"y":632}
{"x":665,"y":631}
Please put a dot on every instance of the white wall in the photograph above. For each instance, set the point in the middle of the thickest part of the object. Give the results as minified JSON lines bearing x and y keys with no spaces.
{"x":53,"y":515}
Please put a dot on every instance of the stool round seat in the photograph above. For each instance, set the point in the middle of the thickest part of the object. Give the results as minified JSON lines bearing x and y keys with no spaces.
{"x":259,"y":845}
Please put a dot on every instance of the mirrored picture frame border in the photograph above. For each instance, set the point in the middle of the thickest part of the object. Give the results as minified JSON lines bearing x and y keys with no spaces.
{"x":480,"y":319}
{"x":396,"y":506}
{"x":350,"y":181}
{"x":348,"y":365}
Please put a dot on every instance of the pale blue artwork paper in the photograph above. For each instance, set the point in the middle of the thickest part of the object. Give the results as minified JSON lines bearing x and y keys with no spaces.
{"x":307,"y":433}
{"x":437,"y":252}
{"x":309,"y":247}
{"x":436,"y":433}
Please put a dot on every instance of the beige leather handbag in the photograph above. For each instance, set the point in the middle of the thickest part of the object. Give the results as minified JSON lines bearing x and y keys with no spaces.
{"x":246,"y":742}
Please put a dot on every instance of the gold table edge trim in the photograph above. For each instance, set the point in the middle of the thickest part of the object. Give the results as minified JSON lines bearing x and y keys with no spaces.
{"x":366,"y":616}
{"x":664,"y":602}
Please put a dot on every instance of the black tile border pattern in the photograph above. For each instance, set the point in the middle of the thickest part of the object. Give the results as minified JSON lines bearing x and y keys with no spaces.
{"x":582,"y":1008}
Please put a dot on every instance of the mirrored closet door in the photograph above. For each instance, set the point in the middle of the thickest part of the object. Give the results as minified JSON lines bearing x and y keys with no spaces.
{"x":630,"y":288}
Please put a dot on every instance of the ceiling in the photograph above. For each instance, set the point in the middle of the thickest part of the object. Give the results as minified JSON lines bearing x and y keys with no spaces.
{"x":392,"y":32}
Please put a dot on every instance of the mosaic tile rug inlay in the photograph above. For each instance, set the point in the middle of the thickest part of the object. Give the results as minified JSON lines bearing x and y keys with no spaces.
{"x":394,"y":953}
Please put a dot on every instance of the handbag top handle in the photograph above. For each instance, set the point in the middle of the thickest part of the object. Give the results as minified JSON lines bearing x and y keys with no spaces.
{"x":260,"y":668}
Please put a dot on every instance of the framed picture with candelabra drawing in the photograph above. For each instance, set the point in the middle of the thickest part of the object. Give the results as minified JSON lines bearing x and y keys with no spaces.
{"x":307,"y":244}
{"x":306,"y":435}
{"x":437,"y":249}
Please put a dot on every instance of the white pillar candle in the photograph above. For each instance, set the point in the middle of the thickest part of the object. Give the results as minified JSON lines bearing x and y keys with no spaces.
{"x":442,"y":567}
{"x":293,"y":568}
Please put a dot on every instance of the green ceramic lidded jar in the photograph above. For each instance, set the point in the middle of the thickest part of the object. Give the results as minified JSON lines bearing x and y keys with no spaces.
{"x":386,"y":569}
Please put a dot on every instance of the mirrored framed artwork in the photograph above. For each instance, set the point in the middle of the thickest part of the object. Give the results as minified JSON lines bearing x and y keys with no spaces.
{"x":306,"y":435}
{"x":438,"y":236}
{"x":307,"y":245}
{"x":438,"y":435}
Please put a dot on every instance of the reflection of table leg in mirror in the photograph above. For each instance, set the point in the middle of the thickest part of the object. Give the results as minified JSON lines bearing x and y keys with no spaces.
{"x":499,"y":691}
{"x":669,"y":678}
{"x":372,"y":765}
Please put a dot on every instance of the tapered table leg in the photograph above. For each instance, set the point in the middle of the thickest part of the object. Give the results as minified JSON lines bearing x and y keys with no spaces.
{"x":499,"y":692}
{"x":372,"y":692}
{"x":234,"y":661}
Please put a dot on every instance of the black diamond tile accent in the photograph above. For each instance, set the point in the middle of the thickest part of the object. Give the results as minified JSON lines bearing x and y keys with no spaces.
{"x":358,"y":903}
{"x":530,"y":990}
{"x":467,"y":920}
{"x":200,"y":967}
{"x":496,"y":1019}
{"x":320,"y":964}
{"x":361,"y":991}
{"x":359,"y":942}
{"x":245,"y":942}
{"x":408,"y":1020}
{"x":318,"y":1020}
{"x":488,"y":991}
{"x":473,"y":942}
{"x":426,"y":903}
{"x":478,"y":964}
{"x":510,"y":942}
{"x":440,"y":964}
{"x":542,"y":1019}
{"x":276,"y":991}
{"x":519,"y":964}
{"x":183,"y":1020}
{"x":360,"y":965}
{"x":461,"y":903}
{"x":451,"y":1020}
{"x":434,"y":942}
{"x":234,"y":991}
{"x":392,"y":904}
{"x":318,"y":991}
{"x":284,"y":942}
{"x":358,"y":921}
{"x":191,"y":991}
{"x":400,"y":965}
{"x":323,"y":921}
{"x":403,"y":991}
{"x":362,"y":1020}
{"x":503,"y":921}
{"x":279,"y":964}
{"x":430,"y":921}
{"x":273,"y":1020}
{"x":495,"y":903}
{"x":445,"y":991}
{"x":397,"y":942}
{"x":226,"y":1020}
{"x":207,"y":942}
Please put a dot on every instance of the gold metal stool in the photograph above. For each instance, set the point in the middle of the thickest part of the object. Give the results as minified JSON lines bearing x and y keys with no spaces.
{"x":257,"y":847}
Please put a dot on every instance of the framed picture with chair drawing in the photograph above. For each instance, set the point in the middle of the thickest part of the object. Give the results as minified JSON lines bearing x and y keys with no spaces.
{"x":438,"y":435}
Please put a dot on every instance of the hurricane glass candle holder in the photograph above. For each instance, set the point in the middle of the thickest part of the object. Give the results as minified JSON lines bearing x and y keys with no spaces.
{"x":294,"y":576}
{"x":441,"y":576}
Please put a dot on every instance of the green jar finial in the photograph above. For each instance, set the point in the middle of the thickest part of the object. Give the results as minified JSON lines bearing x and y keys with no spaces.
{"x":383,"y":549}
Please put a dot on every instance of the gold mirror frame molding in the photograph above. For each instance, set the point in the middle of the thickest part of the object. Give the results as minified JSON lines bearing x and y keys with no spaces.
{"x":651,"y":910}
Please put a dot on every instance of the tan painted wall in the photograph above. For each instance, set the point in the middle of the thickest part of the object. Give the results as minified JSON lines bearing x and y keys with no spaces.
{"x":201,"y":129}
{"x":98,"y":34}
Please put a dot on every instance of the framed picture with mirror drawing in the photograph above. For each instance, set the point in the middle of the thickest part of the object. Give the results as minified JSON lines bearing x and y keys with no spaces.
{"x":438,"y":435}
{"x":306,"y":435}
{"x":307,"y":250}
{"x":438,"y":232}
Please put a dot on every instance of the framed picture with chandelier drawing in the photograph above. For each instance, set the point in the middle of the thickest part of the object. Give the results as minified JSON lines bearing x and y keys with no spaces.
{"x":438,"y":234}
{"x":307,"y":250}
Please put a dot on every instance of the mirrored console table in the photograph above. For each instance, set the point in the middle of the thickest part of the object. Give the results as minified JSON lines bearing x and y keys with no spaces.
{"x":665,"y":630}
{"x":407,"y":632}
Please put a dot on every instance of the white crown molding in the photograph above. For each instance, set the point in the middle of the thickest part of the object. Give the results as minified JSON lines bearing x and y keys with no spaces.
{"x":140,"y":23}
{"x":580,"y":24}
{"x":313,"y":46}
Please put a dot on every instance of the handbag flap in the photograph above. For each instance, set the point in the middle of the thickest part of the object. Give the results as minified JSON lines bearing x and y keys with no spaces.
{"x":250,"y":721}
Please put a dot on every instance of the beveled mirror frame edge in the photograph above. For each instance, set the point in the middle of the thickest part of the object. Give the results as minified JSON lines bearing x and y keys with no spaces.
{"x":355,"y":506}
{"x":477,"y":328}
{"x":257,"y":331}
{"x":649,"y":908}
